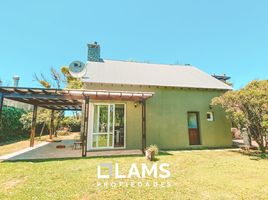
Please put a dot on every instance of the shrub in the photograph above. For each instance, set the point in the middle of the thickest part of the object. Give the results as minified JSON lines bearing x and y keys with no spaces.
{"x":74,"y":123}
{"x":10,"y":126}
{"x":151,"y":151}
{"x":153,"y":148}
{"x":43,"y":116}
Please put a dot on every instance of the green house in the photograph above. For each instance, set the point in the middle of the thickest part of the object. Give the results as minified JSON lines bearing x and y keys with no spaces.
{"x":178,"y":112}
{"x":131,"y":105}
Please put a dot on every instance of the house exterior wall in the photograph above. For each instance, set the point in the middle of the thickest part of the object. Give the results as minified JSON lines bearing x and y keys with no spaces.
{"x":166,"y":117}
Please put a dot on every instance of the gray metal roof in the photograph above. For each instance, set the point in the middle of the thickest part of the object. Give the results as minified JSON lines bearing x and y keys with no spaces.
{"x":134,"y":73}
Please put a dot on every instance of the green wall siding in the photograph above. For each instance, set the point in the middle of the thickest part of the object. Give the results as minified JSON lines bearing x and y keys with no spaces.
{"x":167,"y":117}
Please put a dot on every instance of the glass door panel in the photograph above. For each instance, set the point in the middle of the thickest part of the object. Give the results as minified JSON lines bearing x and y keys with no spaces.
{"x":108,"y":126}
{"x":192,"y":120}
{"x":103,"y":118}
{"x":94,"y":141}
{"x":110,"y":140}
{"x":103,"y":126}
{"x":102,"y":140}
{"x":111,"y":119}
{"x":119,"y":136}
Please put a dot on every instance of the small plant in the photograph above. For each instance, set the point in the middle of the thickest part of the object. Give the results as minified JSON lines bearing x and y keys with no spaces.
{"x":153,"y":148}
{"x":151,"y":151}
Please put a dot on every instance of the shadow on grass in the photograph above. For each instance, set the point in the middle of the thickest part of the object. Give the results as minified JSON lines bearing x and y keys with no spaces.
{"x":70,"y":158}
{"x":200,"y":149}
{"x":164,"y":153}
{"x":155,"y":159}
{"x":161,"y":153}
{"x":253,"y":154}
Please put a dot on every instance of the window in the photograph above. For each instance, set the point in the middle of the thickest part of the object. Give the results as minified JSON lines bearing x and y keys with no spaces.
{"x":210,"y":116}
{"x":108,"y":126}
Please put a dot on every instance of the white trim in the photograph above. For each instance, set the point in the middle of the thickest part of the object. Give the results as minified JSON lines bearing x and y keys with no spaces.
{"x":125,"y":125}
{"x":89,"y":139}
{"x":113,"y":125}
{"x":108,"y":125}
{"x":211,"y":116}
{"x":91,"y":134}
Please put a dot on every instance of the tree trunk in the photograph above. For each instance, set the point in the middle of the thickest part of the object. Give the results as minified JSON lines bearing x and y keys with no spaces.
{"x":250,"y":140}
{"x":262,"y":147}
{"x":41,"y":133}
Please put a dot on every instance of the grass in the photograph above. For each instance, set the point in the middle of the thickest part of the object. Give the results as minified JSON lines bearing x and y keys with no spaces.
{"x":194,"y":175}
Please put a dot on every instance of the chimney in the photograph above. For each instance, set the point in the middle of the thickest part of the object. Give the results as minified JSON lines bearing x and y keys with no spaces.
{"x":222,"y":78}
{"x":94,"y":52}
{"x":16,"y":79}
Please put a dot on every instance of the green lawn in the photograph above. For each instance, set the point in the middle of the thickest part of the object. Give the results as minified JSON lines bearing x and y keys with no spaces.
{"x":194,"y":175}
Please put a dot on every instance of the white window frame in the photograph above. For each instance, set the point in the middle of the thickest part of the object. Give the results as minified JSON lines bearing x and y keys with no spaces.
{"x":211,"y":114}
{"x":108,"y":133}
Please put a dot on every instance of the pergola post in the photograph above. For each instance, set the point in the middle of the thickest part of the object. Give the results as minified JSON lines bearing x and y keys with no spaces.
{"x":84,"y":125}
{"x":33,"y":126}
{"x":143,"y":104}
{"x":52,"y":126}
{"x":1,"y":104}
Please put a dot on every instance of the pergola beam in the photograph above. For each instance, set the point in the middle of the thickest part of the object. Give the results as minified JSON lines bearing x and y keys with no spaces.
{"x":84,"y":126}
{"x":63,"y":109}
{"x":56,"y":104}
{"x":143,"y":104}
{"x":39,"y":96}
{"x":33,"y":127}
{"x":1,"y":104}
{"x":57,"y":99}
{"x":52,"y":127}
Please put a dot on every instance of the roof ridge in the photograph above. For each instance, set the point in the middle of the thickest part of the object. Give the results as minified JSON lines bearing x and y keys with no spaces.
{"x":140,"y":62}
{"x":134,"y":73}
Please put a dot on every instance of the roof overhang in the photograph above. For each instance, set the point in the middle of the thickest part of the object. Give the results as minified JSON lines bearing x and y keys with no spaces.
{"x":61,"y":99}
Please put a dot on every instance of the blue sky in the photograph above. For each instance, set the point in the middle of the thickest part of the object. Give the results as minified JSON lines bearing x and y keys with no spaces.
{"x":216,"y":36}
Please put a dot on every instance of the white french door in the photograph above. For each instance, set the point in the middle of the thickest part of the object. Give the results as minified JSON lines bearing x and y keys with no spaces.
{"x":108,"y":126}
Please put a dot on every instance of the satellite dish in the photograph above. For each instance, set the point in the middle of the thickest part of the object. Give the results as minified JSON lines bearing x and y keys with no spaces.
{"x":77,"y":69}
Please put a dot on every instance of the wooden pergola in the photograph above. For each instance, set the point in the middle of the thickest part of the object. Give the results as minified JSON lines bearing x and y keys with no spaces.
{"x":59,"y":99}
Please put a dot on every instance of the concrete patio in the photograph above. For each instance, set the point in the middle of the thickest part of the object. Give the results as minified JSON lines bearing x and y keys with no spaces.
{"x":49,"y":151}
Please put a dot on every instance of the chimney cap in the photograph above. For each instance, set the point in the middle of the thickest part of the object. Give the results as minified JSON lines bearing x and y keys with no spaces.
{"x":93,"y":45}
{"x":17,"y":77}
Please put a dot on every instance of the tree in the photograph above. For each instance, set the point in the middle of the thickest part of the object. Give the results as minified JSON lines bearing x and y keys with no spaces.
{"x":71,"y":82}
{"x":73,"y":122}
{"x":59,"y":78}
{"x":43,"y":81}
{"x":42,"y":121}
{"x":248,"y":109}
